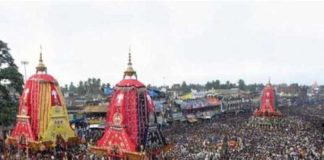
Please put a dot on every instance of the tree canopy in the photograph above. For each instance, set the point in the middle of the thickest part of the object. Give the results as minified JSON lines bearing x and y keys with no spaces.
{"x":241,"y":84}
{"x":11,"y":86}
{"x":92,"y":87}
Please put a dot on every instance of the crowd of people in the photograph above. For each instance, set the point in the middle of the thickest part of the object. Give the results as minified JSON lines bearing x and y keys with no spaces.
{"x":78,"y":151}
{"x":89,"y":135}
{"x":231,"y":137}
{"x":225,"y":136}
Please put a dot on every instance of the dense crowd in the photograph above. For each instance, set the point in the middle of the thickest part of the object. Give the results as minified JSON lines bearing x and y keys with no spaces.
{"x":299,"y":137}
{"x":89,"y":135}
{"x":226,"y":136}
{"x":76,"y":151}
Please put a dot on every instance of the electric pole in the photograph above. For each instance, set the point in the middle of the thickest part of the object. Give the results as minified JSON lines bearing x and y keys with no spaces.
{"x":24,"y":63}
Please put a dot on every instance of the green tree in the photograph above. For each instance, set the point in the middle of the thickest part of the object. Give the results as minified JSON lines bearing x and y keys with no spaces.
{"x":81,"y":89}
{"x":11,"y":86}
{"x":217,"y":84}
{"x":97,"y":86}
{"x":65,"y":88}
{"x":184,"y":87}
{"x":72,"y":87}
{"x":197,"y":87}
{"x":214,"y":84}
{"x":208,"y":85}
{"x":228,"y":85}
{"x":241,"y":84}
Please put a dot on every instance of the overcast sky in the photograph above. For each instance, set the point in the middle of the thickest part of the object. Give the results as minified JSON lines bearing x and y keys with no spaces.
{"x":170,"y":41}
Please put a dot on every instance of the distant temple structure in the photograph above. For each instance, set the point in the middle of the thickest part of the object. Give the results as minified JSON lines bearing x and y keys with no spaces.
{"x":267,"y":114}
{"x":42,"y":116}
{"x":131,"y":130}
{"x":267,"y":103}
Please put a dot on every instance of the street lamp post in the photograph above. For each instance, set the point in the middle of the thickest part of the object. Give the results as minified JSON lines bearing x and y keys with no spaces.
{"x":25,"y":63}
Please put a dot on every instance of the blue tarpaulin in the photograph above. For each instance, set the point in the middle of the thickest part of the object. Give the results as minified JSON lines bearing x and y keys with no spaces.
{"x":78,"y":120}
{"x":153,"y":92}
{"x":158,"y":106}
{"x":107,"y":90}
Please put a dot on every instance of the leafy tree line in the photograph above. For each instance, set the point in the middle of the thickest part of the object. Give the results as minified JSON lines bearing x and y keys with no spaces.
{"x":216,"y":84}
{"x":11,"y":86}
{"x":92,"y":86}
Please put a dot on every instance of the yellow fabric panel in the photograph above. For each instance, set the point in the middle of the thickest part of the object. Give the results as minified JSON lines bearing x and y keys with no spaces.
{"x":40,"y":108}
{"x":62,"y":100}
{"x":58,"y":125}
{"x":48,"y":106}
{"x":57,"y":120}
{"x":44,"y":106}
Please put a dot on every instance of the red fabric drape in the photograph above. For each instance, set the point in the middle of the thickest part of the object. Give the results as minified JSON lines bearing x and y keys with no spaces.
{"x":32,"y":92}
{"x":119,"y":137}
{"x":150,"y":103}
{"x":130,"y":104}
{"x":267,"y":100}
{"x":23,"y":128}
{"x":33,"y":100}
{"x":55,"y":98}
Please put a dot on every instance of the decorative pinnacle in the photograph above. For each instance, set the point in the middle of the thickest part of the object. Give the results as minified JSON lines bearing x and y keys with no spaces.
{"x":269,"y":81}
{"x":41,"y":54}
{"x":129,"y":57}
{"x":41,"y":66}
{"x":130,"y":71}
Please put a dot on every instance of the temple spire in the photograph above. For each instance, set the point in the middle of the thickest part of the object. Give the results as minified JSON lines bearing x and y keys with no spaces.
{"x":41,"y":66}
{"x":130,"y":71}
{"x":41,"y":54}
{"x":269,"y":80}
{"x":129,"y":57}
